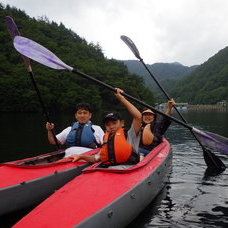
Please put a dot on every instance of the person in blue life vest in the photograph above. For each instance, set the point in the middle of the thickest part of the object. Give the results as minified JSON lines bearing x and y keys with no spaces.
{"x":153,"y":129}
{"x":118,"y":147}
{"x":81,"y":134}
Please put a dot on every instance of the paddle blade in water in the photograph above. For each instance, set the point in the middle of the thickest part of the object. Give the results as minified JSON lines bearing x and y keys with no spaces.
{"x":131,"y":45}
{"x":213,"y":162}
{"x":39,"y":53}
{"x":214,"y":141}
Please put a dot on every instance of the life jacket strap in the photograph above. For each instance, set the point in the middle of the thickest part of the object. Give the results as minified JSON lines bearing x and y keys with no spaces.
{"x":111,"y":153}
{"x":78,"y":134}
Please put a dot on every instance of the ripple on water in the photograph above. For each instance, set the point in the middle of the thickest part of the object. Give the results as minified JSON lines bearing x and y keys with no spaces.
{"x":192,"y":199}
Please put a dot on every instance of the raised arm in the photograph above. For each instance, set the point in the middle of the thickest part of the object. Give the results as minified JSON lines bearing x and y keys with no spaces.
{"x":170,"y":105}
{"x":134,"y":112}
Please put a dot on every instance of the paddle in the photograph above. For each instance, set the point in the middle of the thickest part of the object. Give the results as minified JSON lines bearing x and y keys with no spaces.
{"x":211,"y":159}
{"x":13,"y":31}
{"x":42,"y":55}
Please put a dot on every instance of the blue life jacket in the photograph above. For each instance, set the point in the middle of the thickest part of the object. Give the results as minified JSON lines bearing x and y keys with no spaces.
{"x":81,"y":135}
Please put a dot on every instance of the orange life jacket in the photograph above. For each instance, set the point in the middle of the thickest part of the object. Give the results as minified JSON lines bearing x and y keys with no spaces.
{"x":115,"y":149}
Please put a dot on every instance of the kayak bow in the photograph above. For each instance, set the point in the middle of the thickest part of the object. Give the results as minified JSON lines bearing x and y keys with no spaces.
{"x":104,"y":197}
{"x":27,"y":182}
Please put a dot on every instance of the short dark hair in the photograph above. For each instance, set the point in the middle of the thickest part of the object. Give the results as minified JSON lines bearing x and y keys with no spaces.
{"x":83,"y":106}
{"x":112,"y":116}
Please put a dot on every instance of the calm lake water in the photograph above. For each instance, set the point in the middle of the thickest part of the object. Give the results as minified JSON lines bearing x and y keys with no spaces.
{"x":191,"y":198}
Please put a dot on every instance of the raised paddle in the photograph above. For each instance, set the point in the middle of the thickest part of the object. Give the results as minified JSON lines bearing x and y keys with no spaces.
{"x":13,"y":31}
{"x":42,"y":55}
{"x":209,"y":157}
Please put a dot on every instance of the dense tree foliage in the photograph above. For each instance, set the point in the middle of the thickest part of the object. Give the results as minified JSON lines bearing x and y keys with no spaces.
{"x":59,"y":89}
{"x":204,"y":84}
{"x":208,"y":84}
{"x":162,"y":70}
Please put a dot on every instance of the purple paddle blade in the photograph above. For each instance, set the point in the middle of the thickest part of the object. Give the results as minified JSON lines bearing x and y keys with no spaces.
{"x":38,"y":53}
{"x":13,"y":31}
{"x":214,"y":141}
{"x":11,"y":26}
{"x":131,"y":45}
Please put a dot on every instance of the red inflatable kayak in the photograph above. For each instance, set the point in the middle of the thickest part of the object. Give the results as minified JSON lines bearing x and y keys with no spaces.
{"x":27,"y":182}
{"x":104,"y":197}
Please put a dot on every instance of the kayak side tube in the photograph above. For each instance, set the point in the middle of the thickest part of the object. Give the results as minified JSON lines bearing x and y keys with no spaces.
{"x":124,"y":209}
{"x":30,"y":193}
{"x":108,"y":197}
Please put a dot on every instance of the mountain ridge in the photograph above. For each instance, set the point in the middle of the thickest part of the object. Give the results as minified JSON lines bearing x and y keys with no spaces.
{"x":167,"y":74}
{"x":208,"y":84}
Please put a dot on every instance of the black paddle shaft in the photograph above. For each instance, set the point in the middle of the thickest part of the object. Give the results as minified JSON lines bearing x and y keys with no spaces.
{"x":39,"y":96}
{"x":135,"y":51}
{"x":168,"y":97}
{"x":13,"y":31}
{"x":42,"y":105}
{"x":130,"y":97}
{"x":211,"y":160}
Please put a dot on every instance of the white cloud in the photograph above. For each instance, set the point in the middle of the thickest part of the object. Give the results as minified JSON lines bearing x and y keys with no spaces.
{"x":187,"y":31}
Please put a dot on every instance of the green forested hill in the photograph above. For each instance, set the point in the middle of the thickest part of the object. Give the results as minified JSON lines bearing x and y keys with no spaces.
{"x":208,"y":84}
{"x":162,"y":70}
{"x":59,"y":89}
{"x":168,"y":74}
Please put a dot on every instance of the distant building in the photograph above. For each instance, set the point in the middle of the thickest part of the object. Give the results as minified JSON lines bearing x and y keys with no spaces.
{"x":222,"y":103}
{"x":163,"y":106}
{"x":182,"y":105}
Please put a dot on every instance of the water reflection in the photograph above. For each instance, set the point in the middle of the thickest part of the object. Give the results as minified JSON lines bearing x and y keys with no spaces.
{"x":196,"y":196}
{"x":153,"y":209}
{"x":193,"y":197}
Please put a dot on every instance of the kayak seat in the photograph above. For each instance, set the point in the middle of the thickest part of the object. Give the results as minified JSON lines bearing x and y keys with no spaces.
{"x":118,"y":166}
{"x":43,"y":159}
{"x":121,"y":166}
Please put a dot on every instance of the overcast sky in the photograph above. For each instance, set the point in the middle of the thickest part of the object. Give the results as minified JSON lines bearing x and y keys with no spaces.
{"x":185,"y":31}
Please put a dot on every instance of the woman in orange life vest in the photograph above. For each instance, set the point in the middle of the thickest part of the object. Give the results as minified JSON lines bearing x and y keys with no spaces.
{"x":153,"y":129}
{"x":114,"y":137}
